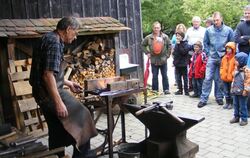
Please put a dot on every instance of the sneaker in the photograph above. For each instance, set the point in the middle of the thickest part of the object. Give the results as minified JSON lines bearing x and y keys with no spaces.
{"x":166,"y":92}
{"x":243,"y":123}
{"x":230,"y":106}
{"x":235,"y":120}
{"x":186,"y":93}
{"x":201,"y":104}
{"x":225,"y":106}
{"x":178,"y":93}
{"x":220,"y":101}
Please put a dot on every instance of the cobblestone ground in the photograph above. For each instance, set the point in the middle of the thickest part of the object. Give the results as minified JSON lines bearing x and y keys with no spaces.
{"x":216,"y":137}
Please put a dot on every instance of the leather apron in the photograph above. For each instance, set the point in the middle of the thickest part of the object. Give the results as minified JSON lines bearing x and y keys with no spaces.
{"x":79,"y":123}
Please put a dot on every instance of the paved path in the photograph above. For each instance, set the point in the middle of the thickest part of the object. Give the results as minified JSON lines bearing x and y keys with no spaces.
{"x":216,"y":137}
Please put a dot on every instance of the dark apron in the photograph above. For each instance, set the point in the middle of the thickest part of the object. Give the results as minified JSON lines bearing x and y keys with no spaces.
{"x":79,"y":123}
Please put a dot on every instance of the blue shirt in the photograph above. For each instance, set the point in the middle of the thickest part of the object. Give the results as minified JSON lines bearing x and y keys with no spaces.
{"x":215,"y":40}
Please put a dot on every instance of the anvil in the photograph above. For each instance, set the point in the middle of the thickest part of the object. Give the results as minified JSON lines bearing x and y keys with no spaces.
{"x":167,"y":136}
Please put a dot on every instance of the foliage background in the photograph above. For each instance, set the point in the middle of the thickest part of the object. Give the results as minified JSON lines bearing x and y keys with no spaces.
{"x":172,"y":12}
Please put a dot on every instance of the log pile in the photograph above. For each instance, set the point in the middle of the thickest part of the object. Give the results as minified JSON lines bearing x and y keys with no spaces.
{"x":94,"y":61}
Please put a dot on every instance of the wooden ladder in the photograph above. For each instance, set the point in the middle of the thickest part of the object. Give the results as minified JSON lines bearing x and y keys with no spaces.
{"x":27,"y":112}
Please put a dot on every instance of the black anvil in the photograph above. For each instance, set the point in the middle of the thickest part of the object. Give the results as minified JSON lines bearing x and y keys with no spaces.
{"x":167,"y":138}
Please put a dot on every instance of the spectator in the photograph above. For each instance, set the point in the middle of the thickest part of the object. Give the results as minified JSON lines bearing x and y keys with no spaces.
{"x":194,"y":34}
{"x":238,"y":90}
{"x":197,"y":69}
{"x":242,"y":32}
{"x":209,"y":22}
{"x":214,"y":42}
{"x":242,"y":37}
{"x":179,"y":28}
{"x":157,"y":47}
{"x":181,"y":60}
{"x":226,"y":73}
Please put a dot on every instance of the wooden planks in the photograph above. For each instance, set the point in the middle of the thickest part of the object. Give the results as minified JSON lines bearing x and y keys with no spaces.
{"x":22,"y":88}
{"x":101,"y":83}
{"x":26,"y":109}
{"x":33,"y":27}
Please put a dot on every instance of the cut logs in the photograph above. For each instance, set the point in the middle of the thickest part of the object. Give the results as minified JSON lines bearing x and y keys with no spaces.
{"x":94,"y":61}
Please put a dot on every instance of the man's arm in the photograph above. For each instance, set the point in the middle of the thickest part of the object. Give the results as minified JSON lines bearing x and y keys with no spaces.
{"x":231,"y":35}
{"x":51,"y":87}
{"x":239,"y":38}
{"x":168,"y":47}
{"x":74,"y":87}
{"x":206,"y":43}
{"x":145,"y":46}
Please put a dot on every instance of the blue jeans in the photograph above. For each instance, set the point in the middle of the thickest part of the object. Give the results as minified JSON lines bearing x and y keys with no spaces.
{"x":197,"y":85}
{"x":155,"y":72}
{"x":227,"y":89}
{"x":212,"y":73}
{"x":240,"y":107}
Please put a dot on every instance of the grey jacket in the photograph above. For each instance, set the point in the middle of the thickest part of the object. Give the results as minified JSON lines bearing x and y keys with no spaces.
{"x":161,"y":58}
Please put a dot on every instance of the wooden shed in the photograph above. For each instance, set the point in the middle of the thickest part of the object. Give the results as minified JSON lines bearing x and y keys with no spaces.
{"x":126,"y":12}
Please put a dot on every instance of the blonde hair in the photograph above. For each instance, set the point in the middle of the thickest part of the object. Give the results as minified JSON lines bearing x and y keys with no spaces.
{"x":179,"y":26}
{"x":156,"y":23}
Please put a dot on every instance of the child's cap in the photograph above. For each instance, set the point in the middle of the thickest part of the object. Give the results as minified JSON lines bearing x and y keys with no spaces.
{"x":242,"y":58}
{"x":199,"y":44}
{"x":182,"y":34}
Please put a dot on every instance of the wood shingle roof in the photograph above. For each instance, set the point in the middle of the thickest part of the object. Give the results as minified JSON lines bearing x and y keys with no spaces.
{"x":30,"y":28}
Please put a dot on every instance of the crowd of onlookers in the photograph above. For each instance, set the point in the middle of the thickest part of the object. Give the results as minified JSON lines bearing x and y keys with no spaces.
{"x":203,"y":55}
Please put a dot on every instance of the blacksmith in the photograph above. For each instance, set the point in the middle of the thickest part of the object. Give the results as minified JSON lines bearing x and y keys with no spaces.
{"x":69,"y":122}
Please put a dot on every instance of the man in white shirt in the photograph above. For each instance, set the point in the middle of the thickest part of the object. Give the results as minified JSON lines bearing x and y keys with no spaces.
{"x":196,"y":32}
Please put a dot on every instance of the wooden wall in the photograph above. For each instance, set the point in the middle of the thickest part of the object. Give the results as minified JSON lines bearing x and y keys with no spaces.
{"x":127,"y":12}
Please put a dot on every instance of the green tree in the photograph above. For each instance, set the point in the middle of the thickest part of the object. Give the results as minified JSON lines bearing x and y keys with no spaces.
{"x":172,"y":12}
{"x":232,"y":10}
{"x":167,"y":12}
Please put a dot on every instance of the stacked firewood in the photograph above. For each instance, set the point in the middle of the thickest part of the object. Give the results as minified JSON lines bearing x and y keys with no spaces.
{"x":93,"y":62}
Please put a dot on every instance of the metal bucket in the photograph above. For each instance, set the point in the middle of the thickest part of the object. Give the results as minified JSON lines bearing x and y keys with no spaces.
{"x":128,"y":150}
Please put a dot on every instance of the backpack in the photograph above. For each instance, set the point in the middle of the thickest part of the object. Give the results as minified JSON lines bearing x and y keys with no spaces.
{"x":157,"y":44}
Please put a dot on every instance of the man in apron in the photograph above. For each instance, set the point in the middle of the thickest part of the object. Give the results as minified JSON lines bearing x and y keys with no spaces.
{"x":69,"y":122}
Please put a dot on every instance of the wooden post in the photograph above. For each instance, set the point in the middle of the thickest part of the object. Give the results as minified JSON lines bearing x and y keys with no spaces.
{"x":11,"y":48}
{"x":117,"y":53}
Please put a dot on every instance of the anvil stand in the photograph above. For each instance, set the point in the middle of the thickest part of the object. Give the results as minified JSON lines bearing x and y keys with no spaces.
{"x":167,"y":136}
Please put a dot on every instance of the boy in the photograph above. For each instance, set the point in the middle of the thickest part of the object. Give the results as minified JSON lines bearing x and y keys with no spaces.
{"x":197,"y":69}
{"x":226,"y":73}
{"x":181,"y":60}
{"x":238,"y":90}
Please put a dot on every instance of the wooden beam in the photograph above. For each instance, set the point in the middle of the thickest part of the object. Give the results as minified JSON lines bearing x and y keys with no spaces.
{"x":11,"y":48}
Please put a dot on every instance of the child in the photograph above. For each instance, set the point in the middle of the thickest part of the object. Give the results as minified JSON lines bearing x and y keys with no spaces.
{"x":197,"y":69}
{"x":181,"y":59}
{"x":226,"y":73}
{"x":238,"y":90}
